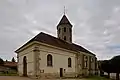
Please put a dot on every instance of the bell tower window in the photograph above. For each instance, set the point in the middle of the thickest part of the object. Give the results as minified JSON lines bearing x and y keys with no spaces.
{"x":64,"y":29}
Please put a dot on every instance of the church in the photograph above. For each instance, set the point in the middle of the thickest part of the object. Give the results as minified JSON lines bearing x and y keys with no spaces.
{"x":48,"y":56}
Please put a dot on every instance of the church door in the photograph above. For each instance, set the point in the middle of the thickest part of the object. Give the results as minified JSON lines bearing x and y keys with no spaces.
{"x":61,"y":72}
{"x":24,"y":66}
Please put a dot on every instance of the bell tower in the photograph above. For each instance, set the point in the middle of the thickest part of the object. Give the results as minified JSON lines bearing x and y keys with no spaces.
{"x":64,"y":29}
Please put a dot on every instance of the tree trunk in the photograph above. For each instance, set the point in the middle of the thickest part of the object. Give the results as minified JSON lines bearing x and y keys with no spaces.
{"x":117,"y":76}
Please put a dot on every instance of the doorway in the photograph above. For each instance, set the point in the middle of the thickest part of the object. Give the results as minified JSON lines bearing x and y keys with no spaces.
{"x":24,"y":66}
{"x":61,"y":72}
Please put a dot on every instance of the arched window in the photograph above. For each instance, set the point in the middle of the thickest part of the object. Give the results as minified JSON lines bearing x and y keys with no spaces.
{"x":69,"y":62}
{"x":49,"y":60}
{"x":85,"y":64}
{"x":64,"y":29}
{"x":86,"y":61}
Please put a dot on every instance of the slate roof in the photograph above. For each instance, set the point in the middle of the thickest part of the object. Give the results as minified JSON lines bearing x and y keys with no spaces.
{"x":48,"y":39}
{"x":64,"y":20}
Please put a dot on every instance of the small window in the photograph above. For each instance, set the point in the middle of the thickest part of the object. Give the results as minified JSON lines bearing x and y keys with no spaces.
{"x":64,"y":29}
{"x":49,"y":60}
{"x":65,"y":38}
{"x":69,"y":62}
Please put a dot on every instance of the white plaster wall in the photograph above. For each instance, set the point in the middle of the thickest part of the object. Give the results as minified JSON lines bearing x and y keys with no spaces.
{"x":60,"y":60}
{"x":30,"y":60}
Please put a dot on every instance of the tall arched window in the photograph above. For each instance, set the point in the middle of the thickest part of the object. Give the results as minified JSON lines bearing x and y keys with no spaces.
{"x":64,"y":29}
{"x":86,"y":62}
{"x":49,"y":60}
{"x":69,"y":62}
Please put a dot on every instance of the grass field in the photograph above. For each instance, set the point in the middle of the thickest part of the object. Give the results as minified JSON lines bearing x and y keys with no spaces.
{"x":1,"y":74}
{"x":8,"y":74}
{"x":96,"y":78}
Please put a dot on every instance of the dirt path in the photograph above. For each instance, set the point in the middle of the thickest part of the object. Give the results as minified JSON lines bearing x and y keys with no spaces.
{"x":26,"y":78}
{"x":13,"y":78}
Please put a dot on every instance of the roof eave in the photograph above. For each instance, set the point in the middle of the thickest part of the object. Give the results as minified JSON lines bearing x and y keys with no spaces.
{"x":24,"y":46}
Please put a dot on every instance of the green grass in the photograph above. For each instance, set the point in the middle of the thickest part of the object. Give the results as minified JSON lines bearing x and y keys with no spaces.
{"x":96,"y":78}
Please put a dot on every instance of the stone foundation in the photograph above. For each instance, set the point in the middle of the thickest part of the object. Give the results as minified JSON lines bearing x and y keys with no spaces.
{"x":54,"y":75}
{"x":84,"y":73}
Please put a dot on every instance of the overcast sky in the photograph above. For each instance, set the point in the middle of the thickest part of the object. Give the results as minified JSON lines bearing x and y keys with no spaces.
{"x":96,"y":23}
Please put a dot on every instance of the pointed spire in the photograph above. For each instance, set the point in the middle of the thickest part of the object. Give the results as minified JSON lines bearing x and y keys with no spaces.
{"x":64,"y":20}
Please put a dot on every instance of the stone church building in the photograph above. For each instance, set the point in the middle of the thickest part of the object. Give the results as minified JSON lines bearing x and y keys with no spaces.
{"x":49,"y":56}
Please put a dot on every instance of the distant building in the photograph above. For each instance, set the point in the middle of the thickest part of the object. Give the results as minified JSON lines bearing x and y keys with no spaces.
{"x":49,"y":56}
{"x":8,"y":67}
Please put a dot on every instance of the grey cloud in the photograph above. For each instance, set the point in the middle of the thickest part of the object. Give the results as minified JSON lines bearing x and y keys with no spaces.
{"x":95,"y":23}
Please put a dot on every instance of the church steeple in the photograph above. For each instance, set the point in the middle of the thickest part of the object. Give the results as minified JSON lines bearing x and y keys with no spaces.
{"x":64,"y":20}
{"x":64,"y":29}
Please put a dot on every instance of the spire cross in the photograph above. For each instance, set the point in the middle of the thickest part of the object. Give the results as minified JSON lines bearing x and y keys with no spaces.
{"x":64,"y":10}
